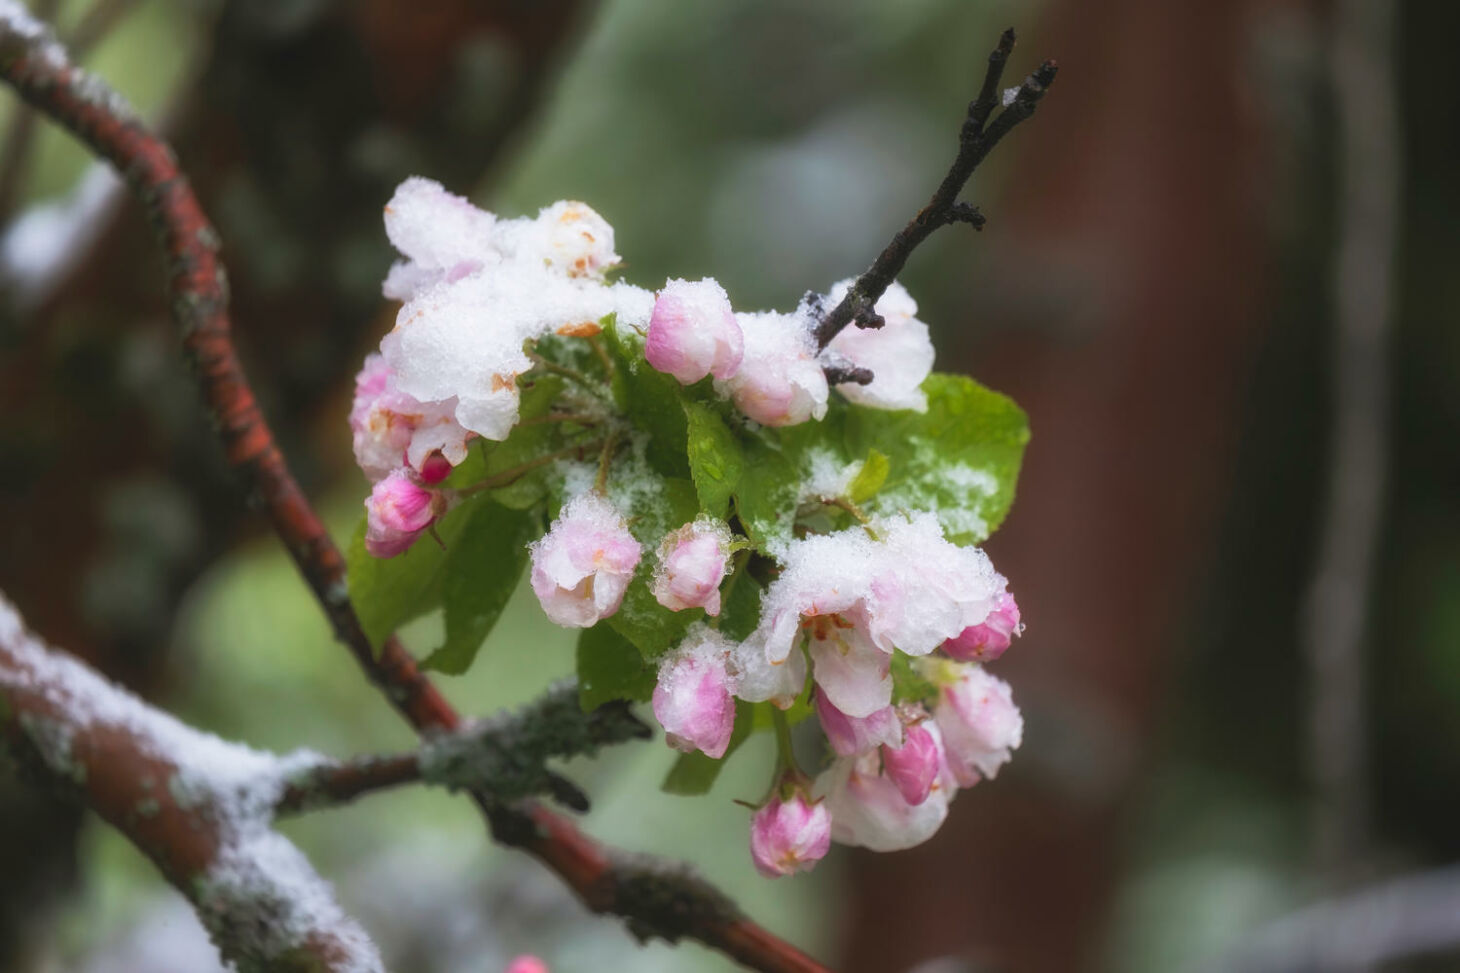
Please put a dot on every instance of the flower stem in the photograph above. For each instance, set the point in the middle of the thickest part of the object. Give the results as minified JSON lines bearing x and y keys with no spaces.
{"x":785,"y":756}
{"x":509,"y":476}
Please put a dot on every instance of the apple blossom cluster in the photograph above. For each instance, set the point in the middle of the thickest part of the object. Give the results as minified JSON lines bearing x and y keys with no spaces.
{"x":752,"y":546}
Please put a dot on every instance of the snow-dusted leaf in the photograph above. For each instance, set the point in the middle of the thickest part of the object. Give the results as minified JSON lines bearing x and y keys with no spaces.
{"x":610,"y":667}
{"x":715,"y":458}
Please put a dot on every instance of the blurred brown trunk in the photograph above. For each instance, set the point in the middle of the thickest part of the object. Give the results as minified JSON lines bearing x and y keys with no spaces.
{"x":1133,"y":231}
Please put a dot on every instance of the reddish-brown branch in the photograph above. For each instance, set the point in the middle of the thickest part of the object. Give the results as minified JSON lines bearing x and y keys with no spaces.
{"x":143,"y":773}
{"x":38,"y":69}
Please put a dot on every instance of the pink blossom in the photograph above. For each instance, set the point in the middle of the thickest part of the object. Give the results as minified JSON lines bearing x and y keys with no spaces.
{"x":899,"y":354}
{"x":398,"y":511}
{"x":979,"y":722}
{"x":693,"y":332}
{"x":692,"y":563}
{"x":927,"y":589}
{"x":914,"y":767}
{"x":991,"y":637}
{"x":582,"y":566}
{"x":757,"y":677}
{"x":574,"y":239}
{"x":692,"y":700}
{"x":851,"y":735}
{"x":780,"y":382}
{"x":869,"y":810}
{"x":527,"y":964}
{"x":790,"y":835}
{"x":442,"y":235}
{"x":391,"y":429}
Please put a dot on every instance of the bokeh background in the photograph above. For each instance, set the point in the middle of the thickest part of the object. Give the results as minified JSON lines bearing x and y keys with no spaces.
{"x":1157,"y":286}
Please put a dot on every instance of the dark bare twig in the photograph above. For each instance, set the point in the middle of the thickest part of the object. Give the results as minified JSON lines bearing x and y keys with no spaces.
{"x":654,"y":898}
{"x":975,"y":140}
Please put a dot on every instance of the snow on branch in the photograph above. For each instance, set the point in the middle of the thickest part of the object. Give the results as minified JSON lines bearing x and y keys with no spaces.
{"x":200,"y":807}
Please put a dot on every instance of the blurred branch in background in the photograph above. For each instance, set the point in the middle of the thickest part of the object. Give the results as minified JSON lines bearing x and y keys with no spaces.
{"x":1335,"y":619}
{"x":1408,"y":917}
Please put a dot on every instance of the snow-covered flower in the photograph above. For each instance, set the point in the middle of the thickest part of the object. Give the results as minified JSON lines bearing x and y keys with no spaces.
{"x":574,"y":240}
{"x":692,"y":700}
{"x":582,"y":566}
{"x":757,"y":678}
{"x":990,"y":638}
{"x":869,"y":810}
{"x":693,"y":332}
{"x":780,"y":382}
{"x":899,"y":354}
{"x":441,"y":235}
{"x":978,"y":720}
{"x":914,"y":767}
{"x":789,"y":835}
{"x":398,"y":511}
{"x":851,"y":735}
{"x":692,"y":563}
{"x":390,"y":429}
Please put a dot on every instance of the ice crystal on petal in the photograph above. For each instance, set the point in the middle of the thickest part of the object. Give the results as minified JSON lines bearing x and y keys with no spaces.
{"x":780,"y":382}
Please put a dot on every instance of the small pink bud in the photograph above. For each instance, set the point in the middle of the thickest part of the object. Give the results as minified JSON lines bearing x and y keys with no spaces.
{"x":435,"y":468}
{"x":990,"y":638}
{"x":527,"y":964}
{"x":692,"y":563}
{"x":915,"y":765}
{"x":693,"y":332}
{"x":582,"y":566}
{"x":789,"y":836}
{"x":851,"y":735}
{"x":692,"y":700}
{"x":780,"y":382}
{"x":397,"y":511}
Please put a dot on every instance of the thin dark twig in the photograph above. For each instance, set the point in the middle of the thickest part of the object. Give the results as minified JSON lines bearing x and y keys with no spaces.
{"x":654,"y":898}
{"x":975,"y":140}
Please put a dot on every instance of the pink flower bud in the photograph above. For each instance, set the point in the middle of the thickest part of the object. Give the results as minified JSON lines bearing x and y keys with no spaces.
{"x":390,"y":429}
{"x":980,"y":724}
{"x":693,"y":332}
{"x":397,"y":511}
{"x":692,"y":700}
{"x":527,"y":964}
{"x":582,"y":566}
{"x":780,"y":382}
{"x":851,"y":735}
{"x":692,"y":563}
{"x":914,"y":766}
{"x":990,"y":638}
{"x":789,"y":836}
{"x":435,"y":468}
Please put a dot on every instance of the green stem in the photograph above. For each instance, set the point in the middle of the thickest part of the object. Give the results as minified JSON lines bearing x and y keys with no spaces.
{"x":605,"y":459}
{"x":565,"y":371}
{"x":578,"y":418}
{"x":510,"y":476}
{"x":785,"y":756}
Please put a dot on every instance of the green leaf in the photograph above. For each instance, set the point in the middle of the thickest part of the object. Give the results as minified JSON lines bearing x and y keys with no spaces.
{"x":740,"y":604}
{"x":959,"y":459}
{"x":909,"y":685}
{"x":388,"y":592}
{"x":715,"y":458}
{"x":652,"y":513}
{"x":870,"y":477}
{"x":610,"y":667}
{"x":483,"y":567}
{"x":652,"y":399}
{"x":766,"y":496}
{"x":695,"y":773}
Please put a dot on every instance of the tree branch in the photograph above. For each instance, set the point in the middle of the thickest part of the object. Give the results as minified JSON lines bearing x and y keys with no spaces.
{"x":976,"y":140}
{"x":38,"y":68}
{"x":198,"y":806}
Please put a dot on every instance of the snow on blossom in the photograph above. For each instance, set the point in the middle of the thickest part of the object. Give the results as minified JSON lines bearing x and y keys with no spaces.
{"x":978,"y":720}
{"x":990,"y":638}
{"x":780,"y":382}
{"x":789,"y":835}
{"x":757,"y":679}
{"x":692,"y":563}
{"x":899,"y":354}
{"x":397,"y":512}
{"x":929,"y":589}
{"x":391,"y":429}
{"x":692,"y":699}
{"x":441,"y":235}
{"x":693,"y":332}
{"x":582,"y":566}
